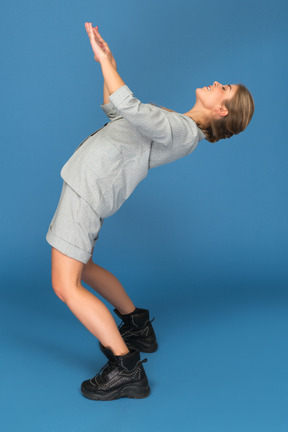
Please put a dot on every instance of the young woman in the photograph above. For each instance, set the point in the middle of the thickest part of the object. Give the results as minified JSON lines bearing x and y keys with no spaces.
{"x":98,"y":178}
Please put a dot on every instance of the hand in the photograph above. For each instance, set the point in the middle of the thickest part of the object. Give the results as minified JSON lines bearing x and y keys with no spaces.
{"x":104,"y":46}
{"x":99,"y":52}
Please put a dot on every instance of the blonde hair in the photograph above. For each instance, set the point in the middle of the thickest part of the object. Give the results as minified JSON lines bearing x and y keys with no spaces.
{"x":240,"y":111}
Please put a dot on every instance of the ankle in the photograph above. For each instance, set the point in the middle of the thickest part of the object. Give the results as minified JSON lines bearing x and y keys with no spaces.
{"x":117,"y":350}
{"x":127,"y":311}
{"x":121,"y":352}
{"x":136,"y":310}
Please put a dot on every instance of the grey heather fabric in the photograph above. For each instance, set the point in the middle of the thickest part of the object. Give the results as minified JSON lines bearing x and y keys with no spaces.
{"x":108,"y":165}
{"x":75,"y":226}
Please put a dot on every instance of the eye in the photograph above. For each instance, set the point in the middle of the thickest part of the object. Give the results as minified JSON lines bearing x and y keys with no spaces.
{"x":223,"y":88}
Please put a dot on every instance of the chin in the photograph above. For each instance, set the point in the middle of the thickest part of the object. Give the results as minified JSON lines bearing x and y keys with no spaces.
{"x":198,"y":93}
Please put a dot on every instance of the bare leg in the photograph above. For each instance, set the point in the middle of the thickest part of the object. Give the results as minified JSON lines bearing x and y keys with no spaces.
{"x":93,"y":314}
{"x":108,"y":286}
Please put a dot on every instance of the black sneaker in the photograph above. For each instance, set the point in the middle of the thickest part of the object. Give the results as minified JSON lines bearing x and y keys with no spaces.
{"x":122,"y":376}
{"x":137,"y":331}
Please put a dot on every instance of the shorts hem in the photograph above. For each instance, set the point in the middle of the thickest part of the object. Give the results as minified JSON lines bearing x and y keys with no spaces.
{"x":67,"y":248}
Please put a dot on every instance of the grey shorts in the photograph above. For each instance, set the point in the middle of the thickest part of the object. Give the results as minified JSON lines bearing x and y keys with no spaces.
{"x":75,"y":226}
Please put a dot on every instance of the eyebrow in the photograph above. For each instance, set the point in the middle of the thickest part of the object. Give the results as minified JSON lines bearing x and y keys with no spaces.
{"x":230,"y":86}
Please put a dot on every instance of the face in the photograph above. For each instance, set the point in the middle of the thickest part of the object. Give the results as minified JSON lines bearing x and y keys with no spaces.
{"x":212,"y":97}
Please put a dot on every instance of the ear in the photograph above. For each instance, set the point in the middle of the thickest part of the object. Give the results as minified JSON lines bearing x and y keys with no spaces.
{"x":222,"y":110}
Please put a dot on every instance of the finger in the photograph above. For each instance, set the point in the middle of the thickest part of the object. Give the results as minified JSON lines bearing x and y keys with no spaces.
{"x":90,"y":32}
{"x":88,"y":28}
{"x":95,"y":34}
{"x":97,"y":38}
{"x":98,"y":34}
{"x":98,"y":42}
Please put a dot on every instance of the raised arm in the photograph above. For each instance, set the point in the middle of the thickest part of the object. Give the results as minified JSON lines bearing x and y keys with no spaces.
{"x":111,"y":77}
{"x":104,"y":45}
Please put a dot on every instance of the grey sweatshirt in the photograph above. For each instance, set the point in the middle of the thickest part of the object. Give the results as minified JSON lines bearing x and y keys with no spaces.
{"x":108,"y":165}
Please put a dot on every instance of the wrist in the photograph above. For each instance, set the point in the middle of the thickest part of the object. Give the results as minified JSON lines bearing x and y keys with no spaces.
{"x":105,"y":59}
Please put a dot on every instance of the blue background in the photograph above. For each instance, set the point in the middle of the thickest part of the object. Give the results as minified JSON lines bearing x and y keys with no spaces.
{"x":202,"y":242}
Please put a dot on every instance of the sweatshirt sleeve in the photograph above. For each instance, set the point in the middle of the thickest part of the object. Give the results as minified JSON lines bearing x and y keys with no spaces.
{"x":111,"y":112}
{"x":153,"y":122}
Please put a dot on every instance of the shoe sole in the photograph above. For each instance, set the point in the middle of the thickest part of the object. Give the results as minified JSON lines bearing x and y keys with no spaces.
{"x":129,"y":391}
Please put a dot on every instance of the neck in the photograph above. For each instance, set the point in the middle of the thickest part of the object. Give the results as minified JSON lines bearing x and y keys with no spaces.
{"x":199,"y":115}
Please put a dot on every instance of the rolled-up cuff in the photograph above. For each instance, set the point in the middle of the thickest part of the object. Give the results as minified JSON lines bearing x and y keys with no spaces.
{"x":66,"y":248}
{"x":108,"y":108}
{"x":120,"y":95}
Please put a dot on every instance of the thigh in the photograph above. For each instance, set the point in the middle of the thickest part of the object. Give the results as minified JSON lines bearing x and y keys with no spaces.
{"x":66,"y":271}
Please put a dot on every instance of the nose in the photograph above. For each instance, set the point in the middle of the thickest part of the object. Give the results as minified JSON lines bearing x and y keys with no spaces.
{"x":216,"y":83}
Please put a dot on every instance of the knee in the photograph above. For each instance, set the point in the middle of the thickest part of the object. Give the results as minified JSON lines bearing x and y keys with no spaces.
{"x":65,"y":275}
{"x":62,"y":288}
{"x":58,"y":288}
